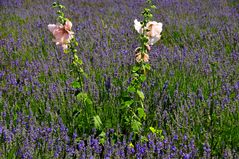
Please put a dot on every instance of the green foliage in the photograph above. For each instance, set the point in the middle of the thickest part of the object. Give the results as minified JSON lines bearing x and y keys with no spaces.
{"x":134,"y":113}
{"x":158,"y":132}
{"x":142,"y":114}
{"x":102,"y":137}
{"x":97,"y":122}
{"x":136,"y":125}
{"x":140,"y":94}
{"x":76,"y":84}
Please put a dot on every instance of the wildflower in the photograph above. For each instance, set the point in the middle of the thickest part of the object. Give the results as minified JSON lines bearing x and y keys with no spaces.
{"x":62,"y":33}
{"x":153,"y":30}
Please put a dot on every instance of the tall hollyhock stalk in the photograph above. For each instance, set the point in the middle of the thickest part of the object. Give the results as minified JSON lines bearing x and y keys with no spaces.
{"x":133,"y":99}
{"x":64,"y":37}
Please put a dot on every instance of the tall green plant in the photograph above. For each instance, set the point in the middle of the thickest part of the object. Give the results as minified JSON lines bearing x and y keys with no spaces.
{"x":78,"y":117}
{"x":133,"y":98}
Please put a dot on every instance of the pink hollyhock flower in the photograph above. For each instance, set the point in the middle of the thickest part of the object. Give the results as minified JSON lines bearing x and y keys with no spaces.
{"x":62,"y":33}
{"x":154,"y":30}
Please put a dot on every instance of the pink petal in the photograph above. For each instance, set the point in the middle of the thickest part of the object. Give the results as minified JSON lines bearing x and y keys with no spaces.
{"x":59,"y":34}
{"x":52,"y":27}
{"x":64,"y":46}
{"x":68,"y":25}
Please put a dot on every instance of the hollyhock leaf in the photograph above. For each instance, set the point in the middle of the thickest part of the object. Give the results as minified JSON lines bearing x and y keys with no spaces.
{"x":135,"y":68}
{"x":102,"y":137}
{"x":131,"y":89}
{"x":128,"y":103}
{"x":140,"y":94}
{"x":88,"y":101}
{"x":152,"y":130}
{"x":135,"y":125}
{"x":97,"y":122}
{"x":75,"y":84}
{"x":102,"y":134}
{"x":147,"y":66}
{"x":141,"y":113}
{"x":142,"y":78}
{"x":81,"y":96}
{"x":144,"y":139}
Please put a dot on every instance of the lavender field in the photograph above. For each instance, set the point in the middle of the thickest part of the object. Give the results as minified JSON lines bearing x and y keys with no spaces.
{"x":191,"y":93}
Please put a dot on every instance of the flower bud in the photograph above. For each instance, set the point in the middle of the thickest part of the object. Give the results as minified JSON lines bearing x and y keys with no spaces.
{"x":74,"y":51}
{"x":54,"y":4}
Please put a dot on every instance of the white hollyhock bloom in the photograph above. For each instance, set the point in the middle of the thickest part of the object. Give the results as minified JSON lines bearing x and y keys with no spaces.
{"x":138,"y":26}
{"x":153,"y":32}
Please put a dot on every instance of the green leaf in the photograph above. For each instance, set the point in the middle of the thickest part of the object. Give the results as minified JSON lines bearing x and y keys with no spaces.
{"x":142,"y":114}
{"x":128,"y":103}
{"x":136,"y":125}
{"x":131,"y":89}
{"x":152,"y":130}
{"x":135,"y":75}
{"x":88,"y":101}
{"x":159,"y":131}
{"x":144,"y":139}
{"x":81,"y":70}
{"x":102,"y":141}
{"x":135,"y":68}
{"x":62,"y":77}
{"x":140,"y":94}
{"x":147,"y":66}
{"x":142,"y":78}
{"x":102,"y":134}
{"x":82,"y":96}
{"x":76,"y":84}
{"x":102,"y":137}
{"x":97,"y":122}
{"x":78,"y":139}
